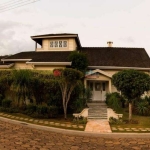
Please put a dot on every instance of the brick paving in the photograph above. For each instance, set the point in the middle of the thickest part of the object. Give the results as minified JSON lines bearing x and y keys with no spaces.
{"x":23,"y":137}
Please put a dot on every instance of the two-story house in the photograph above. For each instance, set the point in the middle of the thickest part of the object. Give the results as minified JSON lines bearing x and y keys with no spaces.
{"x":103,"y":61}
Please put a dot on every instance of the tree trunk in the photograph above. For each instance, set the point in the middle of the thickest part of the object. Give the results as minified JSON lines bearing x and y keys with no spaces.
{"x":65,"y":111}
{"x":130,"y":111}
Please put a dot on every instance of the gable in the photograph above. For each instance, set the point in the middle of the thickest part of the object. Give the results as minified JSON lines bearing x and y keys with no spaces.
{"x":97,"y":74}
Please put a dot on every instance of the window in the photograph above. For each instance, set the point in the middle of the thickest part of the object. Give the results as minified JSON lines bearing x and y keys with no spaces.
{"x":58,"y":44}
{"x":97,"y":86}
{"x":51,"y":44}
{"x":64,"y":43}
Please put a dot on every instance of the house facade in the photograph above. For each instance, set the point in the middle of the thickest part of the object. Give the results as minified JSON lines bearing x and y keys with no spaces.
{"x":52,"y":51}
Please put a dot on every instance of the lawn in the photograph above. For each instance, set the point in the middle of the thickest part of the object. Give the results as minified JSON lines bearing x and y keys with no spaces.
{"x":143,"y":121}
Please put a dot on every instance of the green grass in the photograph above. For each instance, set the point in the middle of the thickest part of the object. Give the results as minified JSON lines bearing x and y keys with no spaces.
{"x":144,"y":121}
{"x":60,"y":119}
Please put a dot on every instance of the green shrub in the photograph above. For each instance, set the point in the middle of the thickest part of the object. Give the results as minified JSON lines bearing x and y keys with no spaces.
{"x":42,"y":110}
{"x":113,"y":120}
{"x":114,"y":100}
{"x":79,"y":104}
{"x":1,"y":99}
{"x":31,"y":108}
{"x":52,"y":111}
{"x":6,"y":103}
{"x":142,"y":108}
{"x":147,"y":99}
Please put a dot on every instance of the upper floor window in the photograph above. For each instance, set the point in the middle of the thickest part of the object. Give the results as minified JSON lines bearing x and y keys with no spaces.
{"x":58,"y":44}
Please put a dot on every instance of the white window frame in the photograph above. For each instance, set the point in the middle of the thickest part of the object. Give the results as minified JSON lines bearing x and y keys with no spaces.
{"x":58,"y":44}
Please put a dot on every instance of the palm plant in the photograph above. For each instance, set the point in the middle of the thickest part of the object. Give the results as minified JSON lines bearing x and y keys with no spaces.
{"x":21,"y":85}
{"x":142,"y":108}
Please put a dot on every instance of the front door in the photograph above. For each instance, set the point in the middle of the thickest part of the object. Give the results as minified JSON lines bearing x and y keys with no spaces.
{"x":98,"y":89}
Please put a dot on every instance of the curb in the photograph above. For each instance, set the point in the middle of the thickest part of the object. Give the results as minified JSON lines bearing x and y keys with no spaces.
{"x":73,"y":132}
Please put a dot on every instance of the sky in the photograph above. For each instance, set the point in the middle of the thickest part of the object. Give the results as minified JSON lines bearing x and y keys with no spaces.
{"x":125,"y":22}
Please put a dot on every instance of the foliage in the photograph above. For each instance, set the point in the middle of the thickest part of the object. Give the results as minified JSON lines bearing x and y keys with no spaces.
{"x":79,"y":61}
{"x":79,"y":104}
{"x":1,"y":98}
{"x":41,"y":111}
{"x":6,"y":103}
{"x":5,"y":81}
{"x":114,"y":100}
{"x":80,"y":120}
{"x":113,"y":120}
{"x":31,"y":108}
{"x":147,"y":99}
{"x":21,"y":85}
{"x":142,"y":108}
{"x":132,"y":85}
{"x":68,"y":80}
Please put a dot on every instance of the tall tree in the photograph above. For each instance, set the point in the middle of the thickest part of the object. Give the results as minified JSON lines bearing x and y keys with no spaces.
{"x":67,"y":78}
{"x":79,"y":61}
{"x":132,"y":85}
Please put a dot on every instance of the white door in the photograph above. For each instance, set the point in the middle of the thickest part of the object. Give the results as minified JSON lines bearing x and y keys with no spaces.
{"x":103,"y":91}
{"x":97,"y":94}
{"x":99,"y":91}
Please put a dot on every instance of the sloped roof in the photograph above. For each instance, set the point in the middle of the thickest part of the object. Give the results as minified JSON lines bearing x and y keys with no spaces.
{"x":97,"y":56}
{"x":57,"y":56}
{"x":117,"y":56}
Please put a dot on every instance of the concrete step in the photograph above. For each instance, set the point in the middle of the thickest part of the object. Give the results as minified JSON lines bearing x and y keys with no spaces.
{"x":99,"y":118}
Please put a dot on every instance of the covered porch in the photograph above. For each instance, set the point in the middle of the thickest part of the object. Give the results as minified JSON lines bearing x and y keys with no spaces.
{"x":99,"y":82}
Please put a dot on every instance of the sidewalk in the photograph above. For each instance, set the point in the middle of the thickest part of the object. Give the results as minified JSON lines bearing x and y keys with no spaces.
{"x":119,"y":129}
{"x":42,"y":122}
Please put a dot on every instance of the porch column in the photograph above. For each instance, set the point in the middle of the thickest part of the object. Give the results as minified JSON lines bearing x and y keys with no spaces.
{"x":110,"y":86}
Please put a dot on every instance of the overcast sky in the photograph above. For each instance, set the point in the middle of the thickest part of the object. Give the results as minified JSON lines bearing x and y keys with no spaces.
{"x":125,"y":22}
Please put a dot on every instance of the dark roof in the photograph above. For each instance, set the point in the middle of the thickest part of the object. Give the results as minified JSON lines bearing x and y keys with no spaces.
{"x":59,"y":56}
{"x":38,"y":38}
{"x":117,"y":56}
{"x":97,"y":56}
{"x":57,"y":34}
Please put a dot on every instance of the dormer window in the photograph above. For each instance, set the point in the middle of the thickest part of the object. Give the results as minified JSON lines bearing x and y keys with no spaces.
{"x":58,"y":44}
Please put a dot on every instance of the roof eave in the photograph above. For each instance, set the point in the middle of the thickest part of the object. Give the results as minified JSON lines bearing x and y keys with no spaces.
{"x":117,"y":67}
{"x":15,"y":60}
{"x":50,"y":63}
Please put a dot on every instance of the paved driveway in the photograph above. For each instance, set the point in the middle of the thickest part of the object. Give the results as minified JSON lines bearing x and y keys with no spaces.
{"x":25,"y":137}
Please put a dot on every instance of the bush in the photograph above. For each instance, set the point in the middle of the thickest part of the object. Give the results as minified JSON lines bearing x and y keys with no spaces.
{"x":52,"y":111}
{"x":142,"y":108}
{"x":147,"y":99}
{"x":6,"y":103}
{"x":114,"y":100}
{"x":1,"y":99}
{"x":42,"y":111}
{"x":31,"y":108}
{"x":113,"y":120}
{"x":79,"y":104}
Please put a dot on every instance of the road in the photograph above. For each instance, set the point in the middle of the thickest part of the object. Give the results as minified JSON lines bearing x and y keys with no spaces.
{"x":20,"y":136}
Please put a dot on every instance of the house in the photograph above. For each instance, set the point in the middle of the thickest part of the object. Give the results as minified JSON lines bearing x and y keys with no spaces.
{"x":103,"y":61}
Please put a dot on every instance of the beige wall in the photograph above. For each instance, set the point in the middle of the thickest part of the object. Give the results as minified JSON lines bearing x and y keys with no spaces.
{"x":47,"y":67}
{"x":46,"y":45}
{"x":22,"y":65}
